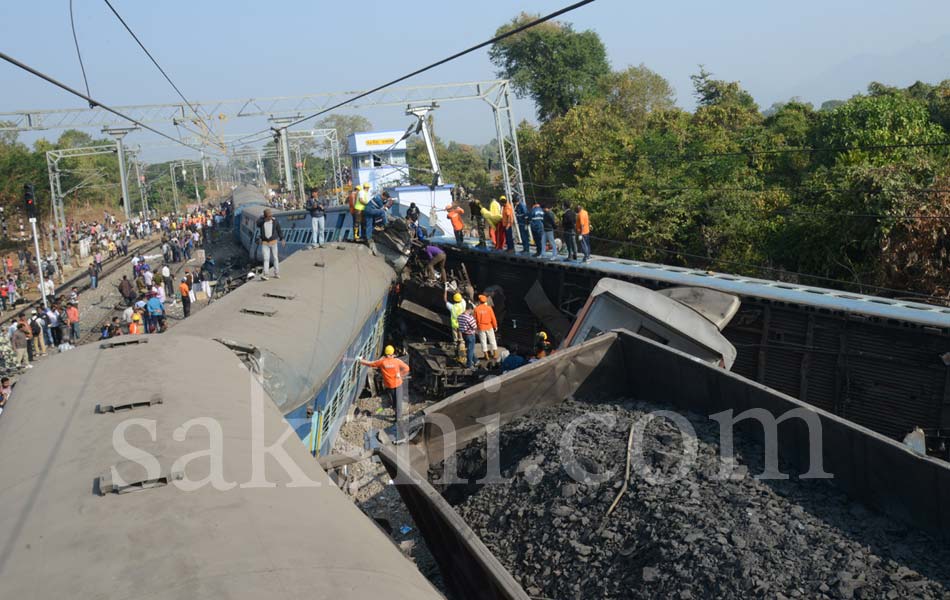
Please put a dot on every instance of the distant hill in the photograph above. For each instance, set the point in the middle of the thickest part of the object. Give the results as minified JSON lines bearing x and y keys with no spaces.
{"x":924,"y":61}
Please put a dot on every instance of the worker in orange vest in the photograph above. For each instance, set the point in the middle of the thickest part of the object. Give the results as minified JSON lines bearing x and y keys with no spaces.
{"x":455,"y":215}
{"x":505,"y":232}
{"x":392,"y":370}
{"x":135,"y":327}
{"x":487,"y":326}
{"x":583,"y":230}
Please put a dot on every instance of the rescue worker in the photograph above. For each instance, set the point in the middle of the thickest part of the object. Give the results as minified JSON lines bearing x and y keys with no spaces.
{"x":542,"y":346}
{"x":537,"y":227}
{"x":135,"y":327}
{"x":362,"y":198}
{"x":522,"y":215}
{"x":393,"y":370}
{"x":583,"y":230}
{"x":569,"y":227}
{"x":475,"y":206}
{"x":493,"y":218}
{"x":458,"y":226}
{"x":270,"y":233}
{"x":436,"y":259}
{"x":456,"y":307}
{"x":468,"y":328}
{"x":507,"y":223}
{"x":487,"y":326}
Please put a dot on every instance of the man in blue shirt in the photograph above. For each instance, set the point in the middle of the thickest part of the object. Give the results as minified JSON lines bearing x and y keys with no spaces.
{"x":375,"y":209}
{"x":156,"y":313}
{"x":537,"y":227}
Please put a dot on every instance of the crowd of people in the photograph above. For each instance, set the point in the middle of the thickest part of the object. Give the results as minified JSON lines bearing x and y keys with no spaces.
{"x":496,"y":223}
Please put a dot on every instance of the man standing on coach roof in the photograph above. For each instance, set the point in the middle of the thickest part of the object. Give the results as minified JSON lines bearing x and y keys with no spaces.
{"x":270,"y":232}
{"x":318,"y":218}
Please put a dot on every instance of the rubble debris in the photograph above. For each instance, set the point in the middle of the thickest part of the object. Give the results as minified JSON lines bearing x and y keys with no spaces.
{"x":697,"y":537}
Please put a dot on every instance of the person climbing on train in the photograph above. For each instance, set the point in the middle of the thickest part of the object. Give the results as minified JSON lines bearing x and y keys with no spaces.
{"x":270,"y":233}
{"x":393,"y":370}
{"x":569,"y":227}
{"x":375,"y":210}
{"x":318,"y":219}
{"x":412,"y":213}
{"x":468,"y":328}
{"x":456,"y":307}
{"x":475,"y":206}
{"x":583,"y":230}
{"x":487,"y":326}
{"x":458,"y":226}
{"x":537,"y":227}
{"x":522,"y":215}
{"x":436,"y":258}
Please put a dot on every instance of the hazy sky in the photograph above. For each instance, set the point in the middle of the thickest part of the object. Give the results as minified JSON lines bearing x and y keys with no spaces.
{"x":816,"y":49}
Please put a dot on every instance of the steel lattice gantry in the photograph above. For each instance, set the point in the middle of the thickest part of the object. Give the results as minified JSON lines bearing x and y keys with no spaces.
{"x":496,"y":93}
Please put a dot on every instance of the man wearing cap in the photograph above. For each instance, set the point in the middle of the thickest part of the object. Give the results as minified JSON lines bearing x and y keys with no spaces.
{"x":456,"y":307}
{"x":135,"y":327}
{"x":393,"y":370}
{"x":487,"y":326}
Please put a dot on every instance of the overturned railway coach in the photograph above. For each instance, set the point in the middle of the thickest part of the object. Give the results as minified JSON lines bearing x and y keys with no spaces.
{"x":879,"y":362}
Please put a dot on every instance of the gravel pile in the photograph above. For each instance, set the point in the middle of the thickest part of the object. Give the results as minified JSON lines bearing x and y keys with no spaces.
{"x":698,"y":537}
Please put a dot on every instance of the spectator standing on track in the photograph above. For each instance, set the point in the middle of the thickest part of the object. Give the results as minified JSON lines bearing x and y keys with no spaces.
{"x":184,"y":290}
{"x":583,"y":230}
{"x":50,"y":287}
{"x":127,"y":290}
{"x":318,"y":219}
{"x":270,"y":234}
{"x":393,"y":370}
{"x":156,"y":313}
{"x":20,"y":342}
{"x":93,"y":276}
{"x":487,"y":326}
{"x":72,"y":313}
{"x":37,"y":327}
{"x":167,"y":280}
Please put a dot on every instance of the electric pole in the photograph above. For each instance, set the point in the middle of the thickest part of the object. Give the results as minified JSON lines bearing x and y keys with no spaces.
{"x":118,"y":133}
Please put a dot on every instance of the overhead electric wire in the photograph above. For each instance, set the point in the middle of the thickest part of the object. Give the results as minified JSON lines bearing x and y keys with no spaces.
{"x":89,"y":99}
{"x":155,"y":62}
{"x":438,"y":63}
{"x":82,"y":67}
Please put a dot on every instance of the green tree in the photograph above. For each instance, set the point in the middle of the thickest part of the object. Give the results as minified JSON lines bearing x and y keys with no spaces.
{"x":551,"y":63}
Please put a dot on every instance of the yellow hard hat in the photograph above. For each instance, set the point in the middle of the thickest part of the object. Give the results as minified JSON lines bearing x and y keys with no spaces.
{"x":389,"y":350}
{"x":136,"y":317}
{"x":457,"y":297}
{"x":543,"y":335}
{"x":365,"y":186}
{"x":502,"y":197}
